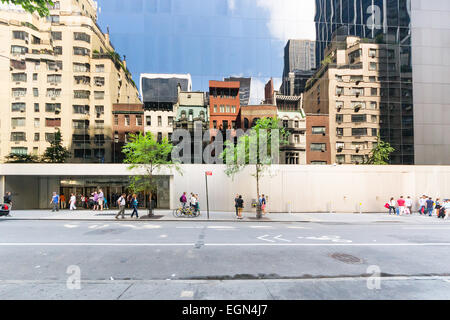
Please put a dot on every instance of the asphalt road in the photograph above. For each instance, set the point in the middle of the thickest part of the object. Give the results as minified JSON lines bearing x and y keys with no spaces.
{"x":195,"y":260}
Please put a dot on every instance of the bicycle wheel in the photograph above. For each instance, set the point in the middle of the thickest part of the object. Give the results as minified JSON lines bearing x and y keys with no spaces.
{"x":178,"y":212}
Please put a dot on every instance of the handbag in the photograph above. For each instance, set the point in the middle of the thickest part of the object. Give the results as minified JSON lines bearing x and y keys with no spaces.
{"x":387,"y":206}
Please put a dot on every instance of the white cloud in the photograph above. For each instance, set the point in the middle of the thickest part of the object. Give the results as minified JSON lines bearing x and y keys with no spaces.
{"x":290,"y":19}
{"x":232,"y":4}
{"x":257,"y":89}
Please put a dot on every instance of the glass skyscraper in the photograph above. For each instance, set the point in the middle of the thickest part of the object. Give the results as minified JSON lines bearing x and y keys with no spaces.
{"x":387,"y":23}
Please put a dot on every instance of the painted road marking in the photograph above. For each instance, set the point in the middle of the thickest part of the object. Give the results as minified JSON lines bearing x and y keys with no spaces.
{"x":264,"y":238}
{"x":426,"y":228}
{"x":70,"y":226}
{"x":187,"y":294}
{"x":99,"y":244}
{"x":298,"y":228}
{"x":281,"y":239}
{"x":326,"y":238}
{"x":221,"y":227}
{"x":261,"y":227}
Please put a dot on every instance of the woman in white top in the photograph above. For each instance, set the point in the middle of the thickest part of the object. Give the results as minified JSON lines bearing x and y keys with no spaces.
{"x":392,"y":204}
{"x":72,"y":202}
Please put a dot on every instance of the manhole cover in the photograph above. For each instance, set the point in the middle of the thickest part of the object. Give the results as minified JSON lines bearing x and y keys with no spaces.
{"x":346,"y":258}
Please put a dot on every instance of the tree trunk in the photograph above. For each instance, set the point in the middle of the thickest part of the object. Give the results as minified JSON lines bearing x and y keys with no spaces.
{"x":150,"y":206}
{"x":258,"y":205}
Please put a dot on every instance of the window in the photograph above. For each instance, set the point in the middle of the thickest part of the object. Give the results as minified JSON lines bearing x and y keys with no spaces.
{"x":340,"y":146}
{"x":340,"y":132}
{"x":18,"y":136}
{"x":373,"y":66}
{"x":159,"y":121}
{"x":225,"y":124}
{"x":99,"y":124}
{"x":159,"y":136}
{"x":215,"y":108}
{"x":372,"y":79}
{"x":339,"y":118}
{"x":99,"y":81}
{"x":37,"y":122}
{"x":339,"y":91}
{"x":228,"y":109}
{"x":80,"y":109}
{"x":296,"y":139}
{"x":339,"y":105}
{"x":318,"y":147}
{"x":372,"y":53}
{"x":373,"y":118}
{"x":373,"y":92}
{"x":127,"y":120}
{"x":56,"y":35}
{"x":374,"y":132}
{"x":373,"y":105}
{"x":358,"y":91}
{"x":82,"y":80}
{"x":116,"y":137}
{"x":19,"y":50}
{"x":19,"y":92}
{"x":81,"y":67}
{"x":318,"y":162}
{"x":81,"y":36}
{"x":53,"y":19}
{"x":148,"y":120}
{"x":19,"y":77}
{"x":139,"y":121}
{"x":233,"y":109}
{"x":98,"y":95}
{"x":318,"y":130}
{"x":359,"y":118}
{"x":17,"y":122}
{"x":52,"y":107}
{"x":358,"y":105}
{"x":357,"y":159}
{"x":82,"y":153}
{"x":37,"y":136}
{"x":54,"y":65}
{"x":116,"y":120}
{"x":80,"y":124}
{"x":340,"y":158}
{"x":359,"y":132}
{"x":58,"y":51}
{"x":170,"y":120}
{"x":19,"y":150}
{"x":35,"y":92}
{"x":215,"y":124}
{"x":356,"y":78}
{"x":79,"y":138}
{"x":99,"y":110}
{"x":222,"y":108}
{"x":20,"y":35}
{"x":99,"y":139}
{"x":81,"y":94}
{"x":296,"y":123}
{"x":80,"y":51}
{"x":36,"y":107}
{"x":100,"y":68}
{"x":53,"y":122}
{"x":339,"y":78}
{"x":53,"y":93}
{"x":35,"y":76}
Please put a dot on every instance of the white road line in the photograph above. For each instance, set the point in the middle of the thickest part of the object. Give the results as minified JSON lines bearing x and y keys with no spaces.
{"x":426,"y":228}
{"x":281,"y":239}
{"x":221,"y":227}
{"x":70,"y":226}
{"x":264,"y":238}
{"x":261,"y":227}
{"x":189,"y":227}
{"x":86,"y":244}
{"x":298,"y":228}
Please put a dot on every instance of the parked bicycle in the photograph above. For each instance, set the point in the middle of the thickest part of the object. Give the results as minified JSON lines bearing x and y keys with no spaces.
{"x":187,"y":211}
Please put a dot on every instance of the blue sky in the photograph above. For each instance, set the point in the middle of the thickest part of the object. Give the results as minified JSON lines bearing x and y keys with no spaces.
{"x":210,"y":39}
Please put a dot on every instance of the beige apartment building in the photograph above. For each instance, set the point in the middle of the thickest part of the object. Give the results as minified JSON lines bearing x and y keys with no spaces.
{"x":348,"y":90}
{"x":59,"y":72}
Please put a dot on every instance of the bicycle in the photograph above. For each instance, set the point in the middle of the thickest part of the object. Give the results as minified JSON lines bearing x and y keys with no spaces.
{"x":187,"y":211}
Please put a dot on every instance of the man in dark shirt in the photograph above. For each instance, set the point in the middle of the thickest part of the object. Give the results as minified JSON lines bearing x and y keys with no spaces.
{"x":430,"y":206}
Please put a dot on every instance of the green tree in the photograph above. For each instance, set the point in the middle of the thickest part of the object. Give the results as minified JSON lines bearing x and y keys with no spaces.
{"x":31,"y":6}
{"x":21,"y":158}
{"x":56,"y":152}
{"x":149,"y":157}
{"x":381,"y":153}
{"x":255,"y":149}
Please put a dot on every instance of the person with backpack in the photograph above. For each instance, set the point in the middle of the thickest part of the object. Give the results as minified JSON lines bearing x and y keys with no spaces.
{"x":183,"y":200}
{"x":121,"y":202}
{"x":134,"y":205}
{"x":240,"y":203}
{"x":430,"y":206}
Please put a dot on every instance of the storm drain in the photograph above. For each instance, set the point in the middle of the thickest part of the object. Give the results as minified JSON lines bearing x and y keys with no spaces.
{"x":346,"y":258}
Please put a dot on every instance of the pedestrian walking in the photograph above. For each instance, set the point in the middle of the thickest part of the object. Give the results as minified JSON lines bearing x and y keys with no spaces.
{"x":446,"y":208}
{"x":197,"y":203}
{"x":121,"y":202}
{"x":101,"y":199}
{"x":437,"y":206}
{"x":7,"y":199}
{"x":134,"y":205}
{"x":183,"y":200}
{"x":236,"y":206}
{"x":95,"y":200}
{"x":83,"y":201}
{"x":72,"y":202}
{"x":193,"y":201}
{"x":430,"y":206}
{"x":55,"y":202}
{"x":392,"y":205}
{"x":105,"y":203}
{"x":63,"y":201}
{"x":240,"y":202}
{"x":408,"y":205}
{"x":263,"y":204}
{"x":401,"y":206}
{"x":422,"y":204}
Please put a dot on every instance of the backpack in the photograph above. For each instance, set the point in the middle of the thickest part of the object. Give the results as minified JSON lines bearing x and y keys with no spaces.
{"x":181,"y":199}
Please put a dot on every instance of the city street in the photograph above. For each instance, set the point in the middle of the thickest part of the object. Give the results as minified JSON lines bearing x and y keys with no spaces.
{"x":226,"y":260}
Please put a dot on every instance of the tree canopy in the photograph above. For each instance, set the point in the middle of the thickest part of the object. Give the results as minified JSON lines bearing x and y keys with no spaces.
{"x":56,"y":152}
{"x":31,"y":6}
{"x":380,"y":155}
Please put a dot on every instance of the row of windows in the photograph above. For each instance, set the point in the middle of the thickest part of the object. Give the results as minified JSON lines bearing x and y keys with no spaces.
{"x":357,"y":118}
{"x":358,"y":132}
{"x":49,"y":122}
{"x":225,"y":109}
{"x":357,"y":105}
{"x":53,"y":93}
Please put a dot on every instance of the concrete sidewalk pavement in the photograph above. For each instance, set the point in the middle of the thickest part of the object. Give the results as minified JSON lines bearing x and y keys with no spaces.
{"x":167,"y":215}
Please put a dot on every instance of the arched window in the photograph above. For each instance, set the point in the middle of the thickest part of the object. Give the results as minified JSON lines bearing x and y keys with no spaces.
{"x":246,"y":123}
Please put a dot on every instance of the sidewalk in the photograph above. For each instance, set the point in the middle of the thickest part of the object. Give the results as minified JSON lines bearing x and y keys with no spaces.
{"x":166,"y":215}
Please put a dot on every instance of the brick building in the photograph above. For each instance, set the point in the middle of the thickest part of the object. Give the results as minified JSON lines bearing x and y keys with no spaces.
{"x":224,"y":104}
{"x":318,"y":149}
{"x":127,"y":119}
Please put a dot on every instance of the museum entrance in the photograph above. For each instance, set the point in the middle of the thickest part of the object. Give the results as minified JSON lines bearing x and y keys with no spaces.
{"x":113,"y":188}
